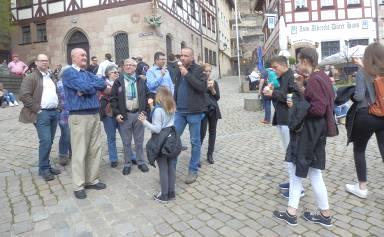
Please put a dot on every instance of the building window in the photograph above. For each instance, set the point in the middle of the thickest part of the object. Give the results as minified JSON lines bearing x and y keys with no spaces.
{"x":206,"y":55}
{"x":301,"y":4}
{"x":26,"y":34}
{"x":213,"y":25}
{"x":214,"y":58}
{"x":24,"y":3}
{"x":193,"y":9}
{"x":329,"y":47}
{"x":209,"y":22}
{"x":121,"y":47}
{"x":354,"y":3}
{"x":41,"y":32}
{"x":168,"y":44}
{"x":353,"y":43}
{"x":183,"y":45}
{"x":179,"y":3}
{"x":204,"y":18}
{"x":326,"y":4}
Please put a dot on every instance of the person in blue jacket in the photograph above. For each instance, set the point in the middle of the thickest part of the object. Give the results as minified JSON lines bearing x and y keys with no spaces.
{"x":81,"y":88}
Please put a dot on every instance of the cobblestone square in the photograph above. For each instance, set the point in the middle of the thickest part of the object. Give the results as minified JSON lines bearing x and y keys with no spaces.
{"x":233,"y":197}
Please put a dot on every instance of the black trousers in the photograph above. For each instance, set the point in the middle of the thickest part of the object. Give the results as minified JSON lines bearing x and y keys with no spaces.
{"x":211,"y":120}
{"x":364,"y":126}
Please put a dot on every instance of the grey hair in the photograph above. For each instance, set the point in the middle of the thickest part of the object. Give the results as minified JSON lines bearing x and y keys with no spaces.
{"x":110,"y":68}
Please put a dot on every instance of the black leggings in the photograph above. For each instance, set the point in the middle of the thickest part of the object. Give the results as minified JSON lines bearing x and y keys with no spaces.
{"x":212,"y":121}
{"x":364,"y":126}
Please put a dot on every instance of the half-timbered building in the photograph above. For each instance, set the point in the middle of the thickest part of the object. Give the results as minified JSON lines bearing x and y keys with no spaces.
{"x":124,"y":28}
{"x":328,"y":25}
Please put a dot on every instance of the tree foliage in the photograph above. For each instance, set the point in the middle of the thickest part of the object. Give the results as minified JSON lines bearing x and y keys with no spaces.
{"x":5,"y":16}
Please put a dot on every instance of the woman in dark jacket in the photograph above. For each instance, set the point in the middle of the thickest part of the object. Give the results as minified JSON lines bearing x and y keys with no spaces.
{"x":365,"y":124}
{"x":308,"y":157}
{"x":213,"y":114}
{"x":106,"y":116}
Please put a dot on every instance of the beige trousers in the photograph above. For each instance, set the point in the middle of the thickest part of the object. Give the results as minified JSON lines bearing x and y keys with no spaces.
{"x":85,"y":133}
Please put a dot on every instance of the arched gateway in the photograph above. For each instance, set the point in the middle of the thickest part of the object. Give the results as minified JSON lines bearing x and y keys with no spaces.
{"x":77,"y":40}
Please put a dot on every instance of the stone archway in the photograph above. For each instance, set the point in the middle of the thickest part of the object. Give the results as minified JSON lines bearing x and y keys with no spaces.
{"x":77,"y":40}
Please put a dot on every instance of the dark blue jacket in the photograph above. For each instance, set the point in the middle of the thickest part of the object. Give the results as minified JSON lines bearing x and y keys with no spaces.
{"x":87,"y":84}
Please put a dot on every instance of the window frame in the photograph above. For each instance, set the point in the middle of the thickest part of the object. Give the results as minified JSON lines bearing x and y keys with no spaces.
{"x":20,"y":4}
{"x":302,"y":7}
{"x":330,"y":4}
{"x":329,"y":48}
{"x":23,"y":34}
{"x":44,"y":34}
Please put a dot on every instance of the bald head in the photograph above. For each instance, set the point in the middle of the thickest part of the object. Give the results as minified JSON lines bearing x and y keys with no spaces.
{"x":79,"y":57}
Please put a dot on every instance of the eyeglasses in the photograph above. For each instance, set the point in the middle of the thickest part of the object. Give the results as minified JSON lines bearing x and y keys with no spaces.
{"x":130,"y":65}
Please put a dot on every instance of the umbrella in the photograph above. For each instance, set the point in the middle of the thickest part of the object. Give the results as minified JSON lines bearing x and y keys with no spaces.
{"x":344,"y":57}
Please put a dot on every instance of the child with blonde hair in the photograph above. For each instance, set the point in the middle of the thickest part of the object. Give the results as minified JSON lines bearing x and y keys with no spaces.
{"x":164,"y":145}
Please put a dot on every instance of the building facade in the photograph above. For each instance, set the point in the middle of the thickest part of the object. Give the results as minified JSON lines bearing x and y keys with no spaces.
{"x":330,"y":26}
{"x":124,"y":28}
{"x":380,"y":20}
{"x":250,"y":36}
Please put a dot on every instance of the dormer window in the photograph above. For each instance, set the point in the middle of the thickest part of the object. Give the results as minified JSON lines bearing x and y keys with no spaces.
{"x":354,"y":3}
{"x":326,"y":4}
{"x":301,"y":5}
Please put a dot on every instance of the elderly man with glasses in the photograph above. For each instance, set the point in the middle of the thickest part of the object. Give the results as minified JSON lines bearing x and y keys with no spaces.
{"x":129,"y":99}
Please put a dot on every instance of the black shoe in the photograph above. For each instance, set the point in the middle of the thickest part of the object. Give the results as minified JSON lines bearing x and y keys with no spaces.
{"x":134,"y":162}
{"x":114,"y":164}
{"x":63,"y":161}
{"x":318,"y":218}
{"x":80,"y":194}
{"x":54,"y":171}
{"x":184,"y":148}
{"x":285,"y":216}
{"x":47,"y":175}
{"x":171,"y":196}
{"x":143,"y":168}
{"x":210,"y":159}
{"x":98,"y":186}
{"x":161,"y":198}
{"x":126,"y":170}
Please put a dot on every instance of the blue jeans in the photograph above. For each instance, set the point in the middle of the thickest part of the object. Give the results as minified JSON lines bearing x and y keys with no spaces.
{"x":267,"y":108}
{"x":46,"y":124}
{"x":341,"y":110}
{"x":10,"y":97}
{"x":65,"y":141}
{"x":110,"y":126}
{"x":194,"y":123}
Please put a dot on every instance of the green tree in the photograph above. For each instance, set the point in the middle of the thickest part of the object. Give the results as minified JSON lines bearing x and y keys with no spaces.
{"x":5,"y":15}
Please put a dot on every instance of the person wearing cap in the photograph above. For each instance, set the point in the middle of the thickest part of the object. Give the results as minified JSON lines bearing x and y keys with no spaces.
{"x":158,"y":75}
{"x":38,"y":93}
{"x":16,"y":66}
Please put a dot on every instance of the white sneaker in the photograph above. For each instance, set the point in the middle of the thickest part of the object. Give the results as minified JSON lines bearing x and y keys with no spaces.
{"x":15,"y":103}
{"x":355,"y":189}
{"x":11,"y":104}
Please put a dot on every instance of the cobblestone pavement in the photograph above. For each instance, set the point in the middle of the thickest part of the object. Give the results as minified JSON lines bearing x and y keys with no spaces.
{"x":233,"y":197}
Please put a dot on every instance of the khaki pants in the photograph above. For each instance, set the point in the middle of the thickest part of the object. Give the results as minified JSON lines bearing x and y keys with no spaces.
{"x":86,"y":149}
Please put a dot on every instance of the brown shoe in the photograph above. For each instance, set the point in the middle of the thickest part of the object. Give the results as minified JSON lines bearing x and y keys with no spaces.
{"x":265,"y":122}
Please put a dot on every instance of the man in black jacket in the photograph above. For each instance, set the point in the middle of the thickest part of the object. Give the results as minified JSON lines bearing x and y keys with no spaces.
{"x":190,"y":105}
{"x":128,"y":99}
{"x":279,"y":99}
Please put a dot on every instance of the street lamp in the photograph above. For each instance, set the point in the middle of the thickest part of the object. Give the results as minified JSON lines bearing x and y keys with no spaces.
{"x":237,"y":42}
